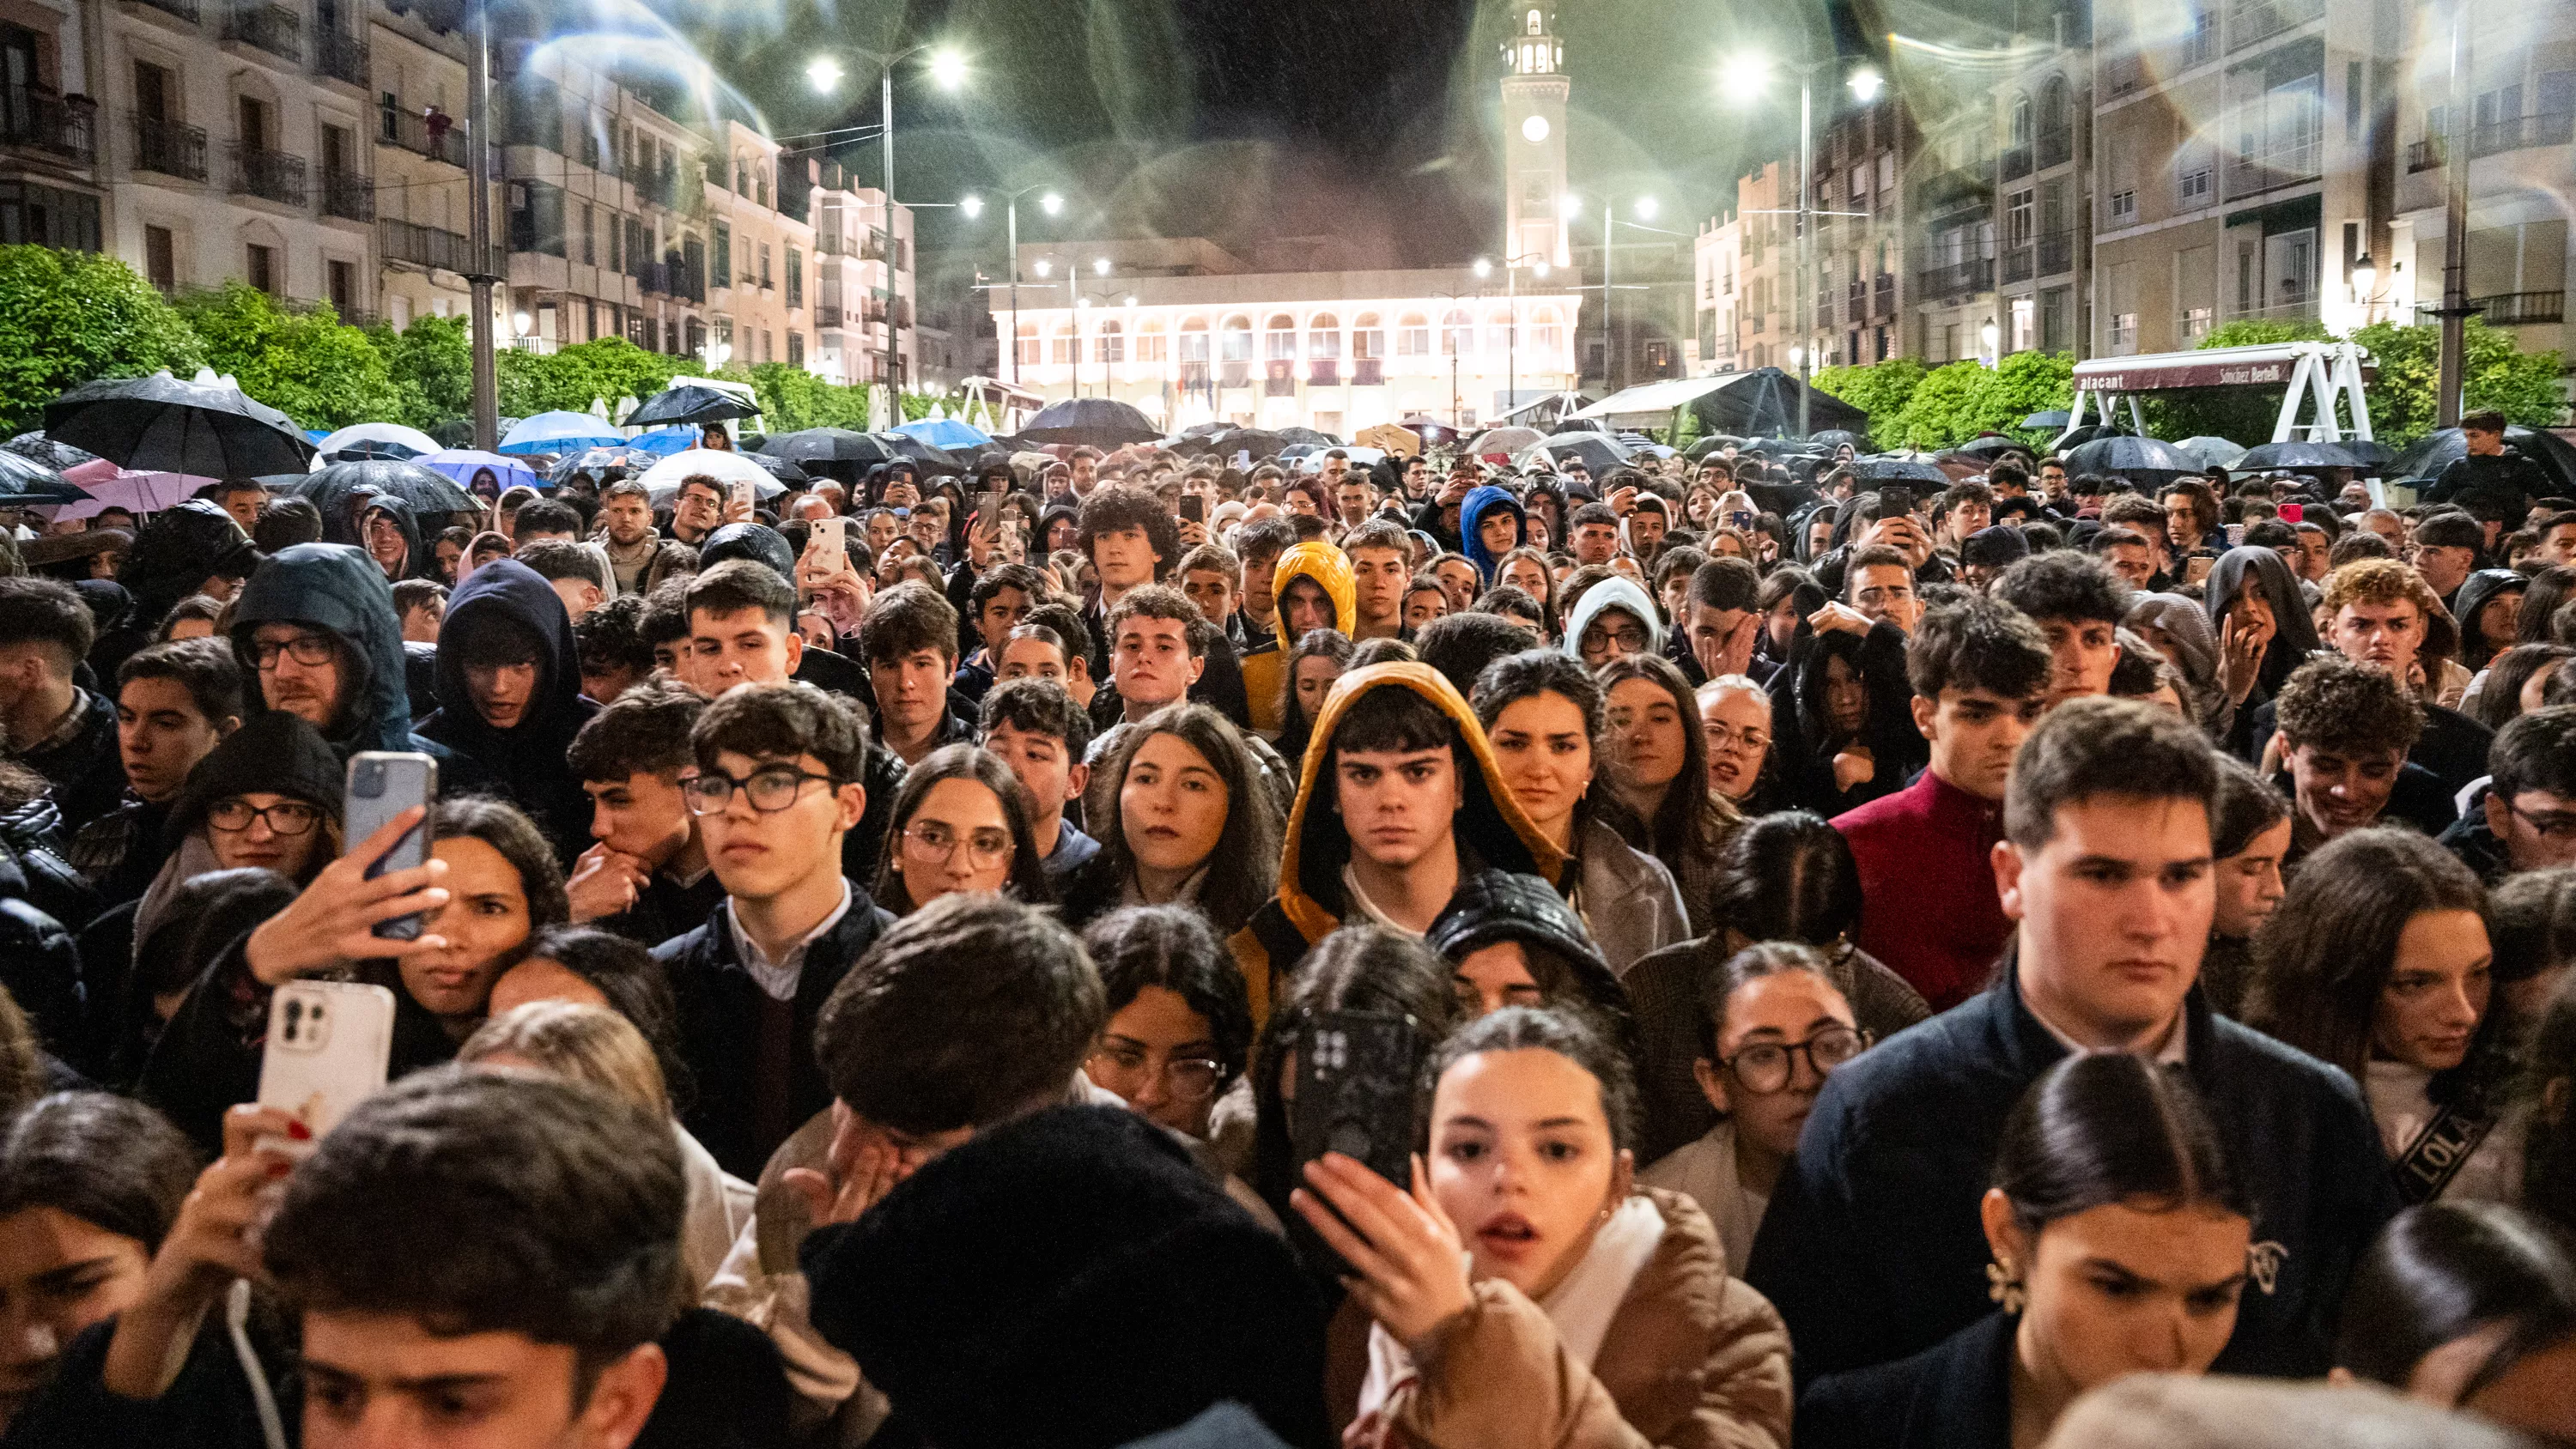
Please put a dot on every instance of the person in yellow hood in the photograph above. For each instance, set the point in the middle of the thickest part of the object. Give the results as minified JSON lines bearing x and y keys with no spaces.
{"x":1312,"y":586}
{"x":1399,"y":803}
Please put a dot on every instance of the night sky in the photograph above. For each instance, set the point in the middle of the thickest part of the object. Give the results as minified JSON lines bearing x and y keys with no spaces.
{"x":1371,"y":120}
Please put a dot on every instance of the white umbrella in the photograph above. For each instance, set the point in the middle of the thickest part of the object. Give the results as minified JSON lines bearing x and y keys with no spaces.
{"x":395,"y":433}
{"x":663,"y":478}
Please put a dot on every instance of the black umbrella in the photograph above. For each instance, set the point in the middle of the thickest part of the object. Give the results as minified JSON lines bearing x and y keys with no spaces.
{"x":2140,"y":460}
{"x":1989,"y":445}
{"x":2297,"y":453}
{"x":826,"y":445}
{"x":937,"y":462}
{"x":24,"y":481}
{"x":1102,"y":422}
{"x":2428,"y":455}
{"x":1256,"y":441}
{"x":1309,"y":435}
{"x":694,"y":403}
{"x":425,"y":490}
{"x":1598,"y":454}
{"x":782,"y":469}
{"x":159,"y":424}
{"x":2374,"y":454}
{"x":1897,"y":469}
{"x":1204,"y":430}
{"x":1831,"y":438}
{"x":2052,"y":418}
{"x":56,"y":456}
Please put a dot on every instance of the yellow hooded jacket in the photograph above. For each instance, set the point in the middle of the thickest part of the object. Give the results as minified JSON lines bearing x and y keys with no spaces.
{"x":1491,"y":829}
{"x":1265,"y":671}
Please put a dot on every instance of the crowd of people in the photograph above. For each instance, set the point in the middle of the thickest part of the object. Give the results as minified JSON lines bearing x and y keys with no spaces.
{"x":1881,"y":963}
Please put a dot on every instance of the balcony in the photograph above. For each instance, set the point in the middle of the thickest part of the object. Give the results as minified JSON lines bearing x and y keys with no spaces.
{"x":2056,"y":253}
{"x":2516,"y":309}
{"x":184,"y":9}
{"x":268,"y":175}
{"x":1883,"y":296}
{"x":340,"y":56}
{"x":831,"y":244}
{"x":416,"y":132}
{"x":654,"y":278}
{"x":827,"y":316}
{"x":2491,"y":138}
{"x":2254,"y":21}
{"x":1368,"y":372}
{"x":428,"y":246}
{"x":272,"y":28}
{"x":2281,"y":166}
{"x":2017,"y":263}
{"x":2295,"y":307}
{"x":2056,"y":148}
{"x":170,"y":149}
{"x":2016,"y":163}
{"x":47,"y":122}
{"x":1957,"y":279}
{"x":348,"y":197}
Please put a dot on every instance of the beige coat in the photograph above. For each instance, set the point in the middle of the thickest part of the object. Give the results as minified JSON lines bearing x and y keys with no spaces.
{"x":1694,"y":1359}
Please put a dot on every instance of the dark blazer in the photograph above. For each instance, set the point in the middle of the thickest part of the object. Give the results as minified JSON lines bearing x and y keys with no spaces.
{"x":1872,"y":1248}
{"x":1956,"y":1394}
{"x":721,"y":1009}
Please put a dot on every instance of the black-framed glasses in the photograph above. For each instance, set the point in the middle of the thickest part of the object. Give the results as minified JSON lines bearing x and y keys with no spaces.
{"x":1764,"y":1067}
{"x":233,"y":814}
{"x":310,"y":650}
{"x":2556,"y":826}
{"x":932,"y":842}
{"x":771,"y":788}
{"x":1631,"y":640}
{"x":1188,"y":1079}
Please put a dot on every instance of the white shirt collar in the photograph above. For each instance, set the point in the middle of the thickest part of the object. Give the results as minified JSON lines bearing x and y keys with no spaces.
{"x":777,"y":979}
{"x":2168,"y":1053}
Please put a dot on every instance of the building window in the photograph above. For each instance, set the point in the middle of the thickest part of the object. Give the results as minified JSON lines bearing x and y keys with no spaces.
{"x":1368,"y":339}
{"x":1547,"y":336}
{"x":30,"y":212}
{"x":1194,"y":342}
{"x":723,"y":267}
{"x":1457,"y":334}
{"x":1068,"y":347}
{"x":2124,"y":205}
{"x":2124,"y":331}
{"x":260,"y":268}
{"x":1234,"y":342}
{"x":1025,"y":349}
{"x":2191,"y":188}
{"x":1112,"y":343}
{"x":2025,"y":324}
{"x":764,"y":264}
{"x":1279,"y":343}
{"x":795,"y":279}
{"x":2018,"y":213}
{"x":1324,"y":337}
{"x":1151,"y":344}
{"x":589,"y":236}
{"x":795,"y":349}
{"x":1413,"y":335}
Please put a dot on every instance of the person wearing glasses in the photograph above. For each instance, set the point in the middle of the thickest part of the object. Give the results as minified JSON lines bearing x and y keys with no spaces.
{"x":777,"y":788}
{"x":1613,"y":619}
{"x":1180,"y":1020}
{"x":961,"y":823}
{"x":1772,"y":1028}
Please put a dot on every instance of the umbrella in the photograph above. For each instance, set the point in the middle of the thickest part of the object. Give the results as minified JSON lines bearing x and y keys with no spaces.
{"x":1597,"y":453}
{"x":1832,"y":438}
{"x":2051,"y":418}
{"x":61,"y":457}
{"x":826,"y":445}
{"x":424,"y":490}
{"x":2297,"y":453}
{"x":2140,"y":460}
{"x":2428,"y":455}
{"x":462,"y":464}
{"x":1309,"y":435}
{"x":1204,"y":430}
{"x":559,"y":432}
{"x":1989,"y":445}
{"x":945,"y":433}
{"x":1505,"y":441}
{"x":1259,"y":442}
{"x":1101,"y":422}
{"x":159,"y":423}
{"x":600,"y":460}
{"x":1898,"y":468}
{"x":1403,"y":442}
{"x":1361,"y":458}
{"x":777,"y":467}
{"x":663,"y":442}
{"x":933,"y":461}
{"x":109,"y":486}
{"x":2212,"y":451}
{"x":693,"y":403}
{"x":2374,"y":454}
{"x":663,"y":478}
{"x":377,"y":440}
{"x":25,"y":481}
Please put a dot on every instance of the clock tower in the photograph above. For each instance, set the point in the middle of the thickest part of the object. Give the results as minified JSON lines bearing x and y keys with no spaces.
{"x":1534,"y":182}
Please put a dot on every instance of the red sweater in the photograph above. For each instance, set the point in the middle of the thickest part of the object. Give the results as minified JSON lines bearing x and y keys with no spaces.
{"x":1928,"y":902}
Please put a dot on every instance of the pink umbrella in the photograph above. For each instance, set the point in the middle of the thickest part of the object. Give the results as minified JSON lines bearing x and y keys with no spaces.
{"x":113,"y":487}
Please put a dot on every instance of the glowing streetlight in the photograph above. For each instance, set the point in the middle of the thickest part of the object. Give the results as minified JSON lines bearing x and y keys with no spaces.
{"x":1745,"y":75}
{"x":1044,"y":268}
{"x":1646,"y":208}
{"x":973,"y":206}
{"x":1484,"y":268}
{"x":1100,"y":266}
{"x":1051,"y":203}
{"x":823,"y":73}
{"x":947,"y":69}
{"x":1865,"y":84}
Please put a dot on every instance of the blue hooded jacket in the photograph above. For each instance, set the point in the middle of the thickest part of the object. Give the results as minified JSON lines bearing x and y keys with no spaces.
{"x":1472,"y":512}
{"x":337,"y":587}
{"x":528,"y":757}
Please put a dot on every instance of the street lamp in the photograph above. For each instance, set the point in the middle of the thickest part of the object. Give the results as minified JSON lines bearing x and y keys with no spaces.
{"x":1051,"y":204}
{"x":1745,"y":76}
{"x":2365,"y":284}
{"x":948,"y":72}
{"x":1645,"y":207}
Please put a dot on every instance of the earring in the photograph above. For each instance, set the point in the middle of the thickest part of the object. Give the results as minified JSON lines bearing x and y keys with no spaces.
{"x":2004,"y":1285}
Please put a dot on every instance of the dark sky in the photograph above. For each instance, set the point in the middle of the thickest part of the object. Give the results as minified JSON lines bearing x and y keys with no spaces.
{"x":1370,"y":120}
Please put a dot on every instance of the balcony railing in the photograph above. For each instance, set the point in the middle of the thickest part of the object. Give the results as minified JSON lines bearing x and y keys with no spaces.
{"x":2056,"y":148}
{"x":272,"y":28}
{"x":2299,"y":308}
{"x":2017,"y":263}
{"x":653,"y":277}
{"x":2515,"y":133}
{"x":47,"y":122}
{"x":428,"y":246}
{"x":1952,"y":279}
{"x":2280,"y":166}
{"x":2259,"y":20}
{"x":2016,"y":163}
{"x":1883,"y":295}
{"x":340,"y":56}
{"x":2424,"y":155}
{"x":347,"y":196}
{"x":1368,"y":372}
{"x":2513,"y":309}
{"x":412,"y":131}
{"x":2056,"y":253}
{"x":827,"y":316}
{"x":170,"y":148}
{"x":268,"y":175}
{"x":184,"y":9}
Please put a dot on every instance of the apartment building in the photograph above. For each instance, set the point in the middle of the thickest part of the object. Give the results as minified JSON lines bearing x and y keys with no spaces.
{"x":2044,"y":211}
{"x":759,"y":238}
{"x":864,"y":282}
{"x":424,"y":199}
{"x":49,"y":125}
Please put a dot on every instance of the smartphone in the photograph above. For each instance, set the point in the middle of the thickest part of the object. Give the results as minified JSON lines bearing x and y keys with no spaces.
{"x":829,"y":546}
{"x":384,"y":784}
{"x":742,"y":496}
{"x":328,"y":1046}
{"x":2196,"y":567}
{"x":988,"y":511}
{"x":1893,"y":501}
{"x":2293,"y":512}
{"x":1193,"y":508}
{"x":2235,"y":535}
{"x":1358,"y":1085}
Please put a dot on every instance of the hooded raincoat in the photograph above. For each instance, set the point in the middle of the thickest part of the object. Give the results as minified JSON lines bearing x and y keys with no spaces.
{"x":528,"y":757}
{"x":1265,"y":668}
{"x":415,"y":559}
{"x":173,"y":556}
{"x":1615,"y":592}
{"x":1491,"y":830}
{"x":2477,"y":591}
{"x":1471,"y":518}
{"x":2294,"y":632}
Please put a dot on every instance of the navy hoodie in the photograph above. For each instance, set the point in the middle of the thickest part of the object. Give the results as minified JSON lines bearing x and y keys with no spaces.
{"x":528,"y":757}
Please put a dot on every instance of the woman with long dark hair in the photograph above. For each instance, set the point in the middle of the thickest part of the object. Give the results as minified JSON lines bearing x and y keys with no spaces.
{"x":961,"y":823}
{"x":1844,"y":727}
{"x":2470,"y":1306}
{"x":1189,"y":823}
{"x":1658,"y":773}
{"x":2264,"y":632}
{"x":1319,"y":657}
{"x":2378,"y":962}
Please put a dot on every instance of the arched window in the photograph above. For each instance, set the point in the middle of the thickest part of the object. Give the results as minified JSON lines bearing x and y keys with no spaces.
{"x":1113,"y":343}
{"x":1026,"y":345}
{"x":1413,"y":335}
{"x":1151,"y":346}
{"x":1498,"y":331}
{"x":1280,"y":340}
{"x":2021,"y":121}
{"x":1324,"y":336}
{"x":1194,"y":340}
{"x":1534,"y":27}
{"x":2053,"y":105}
{"x":1067,"y":346}
{"x":1234,"y":339}
{"x":1457,"y":333}
{"x":1547,"y":337}
{"x":1368,"y":339}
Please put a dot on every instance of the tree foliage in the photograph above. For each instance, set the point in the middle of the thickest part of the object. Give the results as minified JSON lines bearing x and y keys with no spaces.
{"x":568,"y":379}
{"x":67,"y":318}
{"x":306,"y":364}
{"x":431,"y":363}
{"x":2405,"y":397}
{"x":1879,"y":389}
{"x":792,"y":398}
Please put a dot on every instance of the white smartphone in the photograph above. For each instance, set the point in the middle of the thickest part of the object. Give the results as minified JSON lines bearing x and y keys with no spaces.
{"x":742,"y":496}
{"x":829,"y":544}
{"x":383,"y":784}
{"x":329,"y":1043}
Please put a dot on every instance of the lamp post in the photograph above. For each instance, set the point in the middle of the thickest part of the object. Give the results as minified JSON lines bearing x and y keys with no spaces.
{"x":1051,"y":204}
{"x":948,"y":69}
{"x":1745,"y":77}
{"x":1539,"y":266}
{"x":1456,"y":348}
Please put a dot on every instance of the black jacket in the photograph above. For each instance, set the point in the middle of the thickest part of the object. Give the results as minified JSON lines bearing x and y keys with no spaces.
{"x":173,"y":556}
{"x":2476,"y":845}
{"x":1956,"y":1394}
{"x":1872,"y":1249}
{"x":527,"y":759}
{"x":742,"y":1112}
{"x":2497,"y":489}
{"x":2453,"y":746}
{"x":665,"y":909}
{"x":39,"y":964}
{"x":87,"y":774}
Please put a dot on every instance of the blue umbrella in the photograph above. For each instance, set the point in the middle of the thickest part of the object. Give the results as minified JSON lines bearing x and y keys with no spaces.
{"x":947,"y":433}
{"x":560,"y":432}
{"x":663,"y":442}
{"x":462,"y":464}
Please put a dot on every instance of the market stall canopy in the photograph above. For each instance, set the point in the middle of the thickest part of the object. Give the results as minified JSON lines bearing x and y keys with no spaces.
{"x":2267,"y":365}
{"x":559,"y":432}
{"x":159,"y":424}
{"x":1763,"y":401}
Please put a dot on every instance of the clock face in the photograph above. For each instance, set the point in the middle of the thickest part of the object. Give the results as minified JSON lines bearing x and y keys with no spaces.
{"x":1534,"y":129}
